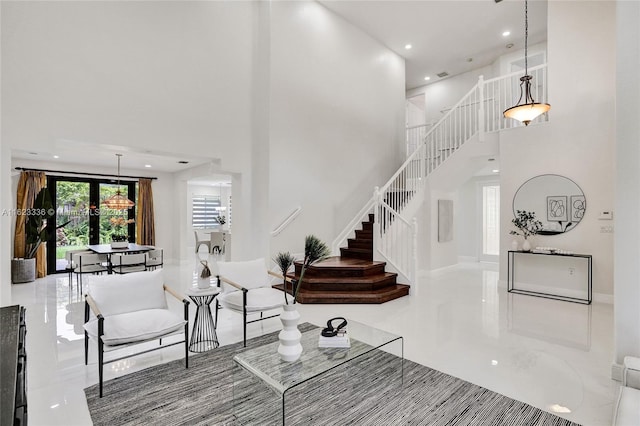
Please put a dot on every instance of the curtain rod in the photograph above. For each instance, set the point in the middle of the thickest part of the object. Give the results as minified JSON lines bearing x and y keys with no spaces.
{"x":84,"y":173}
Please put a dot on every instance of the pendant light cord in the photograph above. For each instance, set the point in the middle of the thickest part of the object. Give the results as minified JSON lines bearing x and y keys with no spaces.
{"x":526,"y":37}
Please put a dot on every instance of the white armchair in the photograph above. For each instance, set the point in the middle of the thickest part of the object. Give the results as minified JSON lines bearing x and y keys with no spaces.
{"x":131,"y":309}
{"x":246,"y":289}
{"x":627,"y":407}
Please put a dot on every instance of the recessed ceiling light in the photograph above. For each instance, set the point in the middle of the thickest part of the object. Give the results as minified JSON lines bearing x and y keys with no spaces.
{"x":408,"y":46}
{"x":506,"y":33}
{"x":56,"y":156}
{"x":147,"y":165}
{"x":427,"y":78}
{"x":469,"y":59}
{"x":494,"y":362}
{"x":509,"y":46}
{"x":491,"y":159}
{"x":495,"y":170}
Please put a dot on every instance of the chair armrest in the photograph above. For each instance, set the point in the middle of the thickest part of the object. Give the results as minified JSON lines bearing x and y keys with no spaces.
{"x":231,"y":283}
{"x":92,"y":304}
{"x":174,"y":294}
{"x":277,"y":275}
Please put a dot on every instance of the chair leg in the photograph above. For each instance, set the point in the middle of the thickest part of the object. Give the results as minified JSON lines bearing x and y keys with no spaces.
{"x":100,"y":362}
{"x":86,"y":348}
{"x":244,"y":309}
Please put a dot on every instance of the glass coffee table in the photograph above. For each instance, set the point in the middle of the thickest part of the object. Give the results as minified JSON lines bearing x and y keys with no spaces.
{"x":267,"y":390}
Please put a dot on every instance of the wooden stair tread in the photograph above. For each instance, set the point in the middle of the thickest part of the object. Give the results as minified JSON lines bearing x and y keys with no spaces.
{"x":345,"y":262}
{"x":347,"y":280}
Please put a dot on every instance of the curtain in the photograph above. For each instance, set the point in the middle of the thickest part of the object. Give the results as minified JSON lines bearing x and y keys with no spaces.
{"x":29,"y":185}
{"x":145,"y":229}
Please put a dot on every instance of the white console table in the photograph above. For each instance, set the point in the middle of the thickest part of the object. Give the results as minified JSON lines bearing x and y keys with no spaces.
{"x":511,"y":274}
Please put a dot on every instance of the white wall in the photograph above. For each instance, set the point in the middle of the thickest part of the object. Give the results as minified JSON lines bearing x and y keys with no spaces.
{"x":336,"y":120}
{"x":442,"y":95}
{"x":578,"y":141}
{"x":627,"y":174}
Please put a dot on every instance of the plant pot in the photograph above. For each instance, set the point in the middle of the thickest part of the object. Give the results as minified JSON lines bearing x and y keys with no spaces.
{"x":290,"y":348}
{"x":119,"y":244}
{"x":526,"y":246}
{"x":204,"y":283}
{"x":23,"y":270}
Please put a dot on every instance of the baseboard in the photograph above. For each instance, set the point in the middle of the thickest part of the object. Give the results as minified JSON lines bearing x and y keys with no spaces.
{"x":603,"y":298}
{"x":439,"y":270}
{"x":472,"y":259}
{"x":617,"y":370}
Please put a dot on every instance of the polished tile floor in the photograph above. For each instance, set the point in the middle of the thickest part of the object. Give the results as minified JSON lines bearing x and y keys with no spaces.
{"x":551,"y":354}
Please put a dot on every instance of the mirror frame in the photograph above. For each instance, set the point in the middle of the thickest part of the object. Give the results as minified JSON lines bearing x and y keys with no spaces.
{"x":551,"y":232}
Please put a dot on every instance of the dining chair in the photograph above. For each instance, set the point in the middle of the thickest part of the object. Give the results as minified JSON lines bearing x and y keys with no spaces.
{"x":199,"y":242}
{"x":217,"y":242}
{"x":246,"y":289}
{"x":154,"y":258}
{"x":71,"y":257}
{"x":90,"y":263}
{"x":128,"y":263}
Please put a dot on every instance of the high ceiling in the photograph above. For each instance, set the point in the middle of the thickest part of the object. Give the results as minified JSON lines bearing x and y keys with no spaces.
{"x":444,"y":35}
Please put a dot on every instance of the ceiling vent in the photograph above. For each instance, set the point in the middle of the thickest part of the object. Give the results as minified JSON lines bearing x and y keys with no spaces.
{"x":443,"y":74}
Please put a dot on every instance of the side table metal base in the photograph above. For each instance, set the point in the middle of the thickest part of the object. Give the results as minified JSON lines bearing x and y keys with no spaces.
{"x":203,"y":336}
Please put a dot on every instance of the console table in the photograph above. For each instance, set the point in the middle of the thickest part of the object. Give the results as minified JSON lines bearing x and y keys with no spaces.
{"x":13,"y":366}
{"x":511,"y":274}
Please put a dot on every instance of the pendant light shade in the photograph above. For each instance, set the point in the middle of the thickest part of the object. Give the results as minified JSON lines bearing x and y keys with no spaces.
{"x":118,"y":201}
{"x":530,"y":109}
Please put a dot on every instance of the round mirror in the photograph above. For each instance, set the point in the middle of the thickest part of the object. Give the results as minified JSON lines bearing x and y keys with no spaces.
{"x":557,"y":201}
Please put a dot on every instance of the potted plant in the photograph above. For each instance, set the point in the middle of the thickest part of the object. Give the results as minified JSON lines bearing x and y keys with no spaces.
{"x":119,"y":238}
{"x":527,"y":225}
{"x":221,"y":220}
{"x":24,"y":270}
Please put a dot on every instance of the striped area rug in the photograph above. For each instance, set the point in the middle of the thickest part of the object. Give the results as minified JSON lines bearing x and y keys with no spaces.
{"x":371,"y":394}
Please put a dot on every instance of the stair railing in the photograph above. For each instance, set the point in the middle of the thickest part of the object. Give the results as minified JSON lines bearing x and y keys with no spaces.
{"x":478,"y":112}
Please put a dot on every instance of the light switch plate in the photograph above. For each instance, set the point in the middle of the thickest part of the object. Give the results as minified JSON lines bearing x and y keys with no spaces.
{"x":606,"y":215}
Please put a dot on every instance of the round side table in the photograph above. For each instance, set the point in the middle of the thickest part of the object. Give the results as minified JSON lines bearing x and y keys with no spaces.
{"x":203,"y":335}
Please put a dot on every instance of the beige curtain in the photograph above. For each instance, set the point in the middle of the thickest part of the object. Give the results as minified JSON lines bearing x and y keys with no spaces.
{"x":29,"y":185}
{"x":145,"y":229}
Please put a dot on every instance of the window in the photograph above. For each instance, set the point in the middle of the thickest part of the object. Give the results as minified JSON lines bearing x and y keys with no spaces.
{"x":205,"y":211}
{"x":491,"y":220}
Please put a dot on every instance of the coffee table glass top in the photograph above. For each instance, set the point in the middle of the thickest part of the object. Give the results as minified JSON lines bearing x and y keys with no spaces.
{"x":265,"y":363}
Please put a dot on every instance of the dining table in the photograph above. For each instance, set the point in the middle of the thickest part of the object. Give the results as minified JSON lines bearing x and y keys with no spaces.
{"x":108,"y":250}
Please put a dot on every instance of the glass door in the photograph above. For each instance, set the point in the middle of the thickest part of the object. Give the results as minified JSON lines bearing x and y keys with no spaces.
{"x":72,"y":222}
{"x":80,"y":218}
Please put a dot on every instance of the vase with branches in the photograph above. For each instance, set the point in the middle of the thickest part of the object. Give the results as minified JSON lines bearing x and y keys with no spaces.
{"x":284,"y":261}
{"x":527,"y":225}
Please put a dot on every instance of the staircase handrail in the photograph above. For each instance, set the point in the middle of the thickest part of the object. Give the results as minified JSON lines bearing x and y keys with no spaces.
{"x":287,"y":221}
{"x":368,"y":207}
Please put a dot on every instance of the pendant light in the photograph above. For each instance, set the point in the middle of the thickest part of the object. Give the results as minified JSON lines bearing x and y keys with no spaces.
{"x":118,"y":201}
{"x":530,"y":109}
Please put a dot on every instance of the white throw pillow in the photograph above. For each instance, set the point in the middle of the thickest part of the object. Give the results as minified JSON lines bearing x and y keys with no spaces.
{"x":118,"y":294}
{"x":136,"y":326}
{"x":249,"y":274}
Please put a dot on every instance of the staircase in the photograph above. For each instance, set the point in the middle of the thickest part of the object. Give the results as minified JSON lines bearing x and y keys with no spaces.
{"x":396,"y":203}
{"x":352,"y":277}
